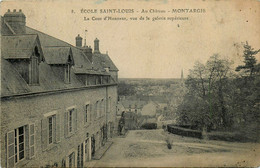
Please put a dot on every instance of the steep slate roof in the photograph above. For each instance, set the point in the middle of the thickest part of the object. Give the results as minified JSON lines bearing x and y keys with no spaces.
{"x":58,"y":55}
{"x":80,"y":59}
{"x":99,"y":60}
{"x":104,"y":61}
{"x":13,"y":83}
{"x":19,"y":46}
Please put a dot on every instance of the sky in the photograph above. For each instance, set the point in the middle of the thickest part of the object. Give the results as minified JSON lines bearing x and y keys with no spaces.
{"x":151,"y":49}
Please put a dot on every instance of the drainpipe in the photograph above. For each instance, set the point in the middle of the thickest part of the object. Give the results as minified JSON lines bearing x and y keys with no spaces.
{"x":106,"y":110}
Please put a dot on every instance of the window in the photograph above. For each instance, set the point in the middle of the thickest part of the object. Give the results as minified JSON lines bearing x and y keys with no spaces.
{"x":87,"y":80}
{"x":20,"y":144}
{"x":50,"y":129}
{"x":63,"y":163}
{"x":80,"y":155}
{"x":96,"y":110}
{"x":72,"y":160}
{"x":98,"y":80}
{"x":70,"y":121}
{"x":101,"y":108}
{"x":87,"y":149}
{"x":34,"y":67}
{"x":86,"y":112}
{"x":104,"y":107}
{"x":67,"y":74}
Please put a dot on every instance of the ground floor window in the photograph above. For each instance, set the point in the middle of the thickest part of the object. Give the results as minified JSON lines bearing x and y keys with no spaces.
{"x":80,"y":156}
{"x":72,"y":160}
{"x":19,"y":143}
{"x":87,"y":150}
{"x":63,"y":163}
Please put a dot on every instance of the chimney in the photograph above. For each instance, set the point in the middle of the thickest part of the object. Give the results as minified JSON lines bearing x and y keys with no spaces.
{"x":78,"y":41}
{"x":88,"y":52}
{"x":96,"y":46}
{"x":16,"y":20}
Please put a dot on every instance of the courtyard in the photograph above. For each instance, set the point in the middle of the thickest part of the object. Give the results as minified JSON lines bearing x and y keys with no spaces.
{"x":148,"y":148}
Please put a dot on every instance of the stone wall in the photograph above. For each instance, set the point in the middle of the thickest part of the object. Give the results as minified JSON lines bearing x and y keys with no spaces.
{"x":18,"y":112}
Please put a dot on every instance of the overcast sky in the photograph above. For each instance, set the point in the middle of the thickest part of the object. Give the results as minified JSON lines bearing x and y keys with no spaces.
{"x":151,"y":49}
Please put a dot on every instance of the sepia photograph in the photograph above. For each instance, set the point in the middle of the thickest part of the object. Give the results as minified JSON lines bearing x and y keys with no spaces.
{"x":130,"y":83}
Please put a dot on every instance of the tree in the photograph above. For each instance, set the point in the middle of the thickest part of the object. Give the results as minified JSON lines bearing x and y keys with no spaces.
{"x":206,"y":83}
{"x":125,"y":89}
{"x":250,"y":61}
{"x":248,"y":87}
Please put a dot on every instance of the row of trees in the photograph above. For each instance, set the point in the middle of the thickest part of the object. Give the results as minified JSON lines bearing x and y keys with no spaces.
{"x":221,"y":97}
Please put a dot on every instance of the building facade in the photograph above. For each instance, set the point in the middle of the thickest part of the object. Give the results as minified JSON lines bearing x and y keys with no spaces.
{"x":58,"y":101}
{"x":138,"y":113}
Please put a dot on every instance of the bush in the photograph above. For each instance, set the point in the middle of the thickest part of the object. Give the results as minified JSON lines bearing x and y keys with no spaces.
{"x":149,"y":126}
{"x":232,"y":137}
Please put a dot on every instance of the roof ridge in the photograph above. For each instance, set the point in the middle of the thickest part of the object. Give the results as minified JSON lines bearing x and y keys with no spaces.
{"x":52,"y":37}
{"x":56,"y":46}
{"x":13,"y":35}
{"x":77,"y":48}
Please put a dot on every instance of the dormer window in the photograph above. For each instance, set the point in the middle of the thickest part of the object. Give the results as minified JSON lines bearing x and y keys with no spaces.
{"x":24,"y":52}
{"x":34,"y":67}
{"x":68,"y":71}
{"x":67,"y":74}
{"x":61,"y":60}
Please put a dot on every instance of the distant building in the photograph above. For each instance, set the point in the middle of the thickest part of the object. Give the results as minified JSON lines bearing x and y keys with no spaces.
{"x":148,"y":114}
{"x":58,"y":101}
{"x":139,"y":112}
{"x":149,"y":109}
{"x":132,"y":110}
{"x":119,"y":115}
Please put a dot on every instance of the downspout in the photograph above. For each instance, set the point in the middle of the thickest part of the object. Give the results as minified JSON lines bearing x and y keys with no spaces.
{"x":106,"y":111}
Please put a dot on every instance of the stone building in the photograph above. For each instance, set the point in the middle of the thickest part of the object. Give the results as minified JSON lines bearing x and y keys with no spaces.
{"x":138,"y":113}
{"x":58,"y":101}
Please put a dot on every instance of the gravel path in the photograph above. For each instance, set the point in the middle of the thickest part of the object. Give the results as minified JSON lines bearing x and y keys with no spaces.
{"x":147,"y":148}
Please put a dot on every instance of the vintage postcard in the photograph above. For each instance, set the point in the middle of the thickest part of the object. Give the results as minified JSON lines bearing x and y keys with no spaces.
{"x":130,"y":83}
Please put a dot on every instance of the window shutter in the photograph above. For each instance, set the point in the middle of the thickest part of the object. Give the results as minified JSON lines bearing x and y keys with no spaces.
{"x":75,"y":119}
{"x":57,"y":131}
{"x":90,"y":112}
{"x":10,"y":149}
{"x":96,"y":110}
{"x":66,"y":131}
{"x":86,"y":114}
{"x":104,"y":107}
{"x":31,"y":141}
{"x":101,"y":109}
{"x":44,"y":124}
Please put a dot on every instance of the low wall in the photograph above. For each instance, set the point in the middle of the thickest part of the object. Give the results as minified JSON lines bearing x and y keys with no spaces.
{"x":184,"y":131}
{"x":230,"y":136}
